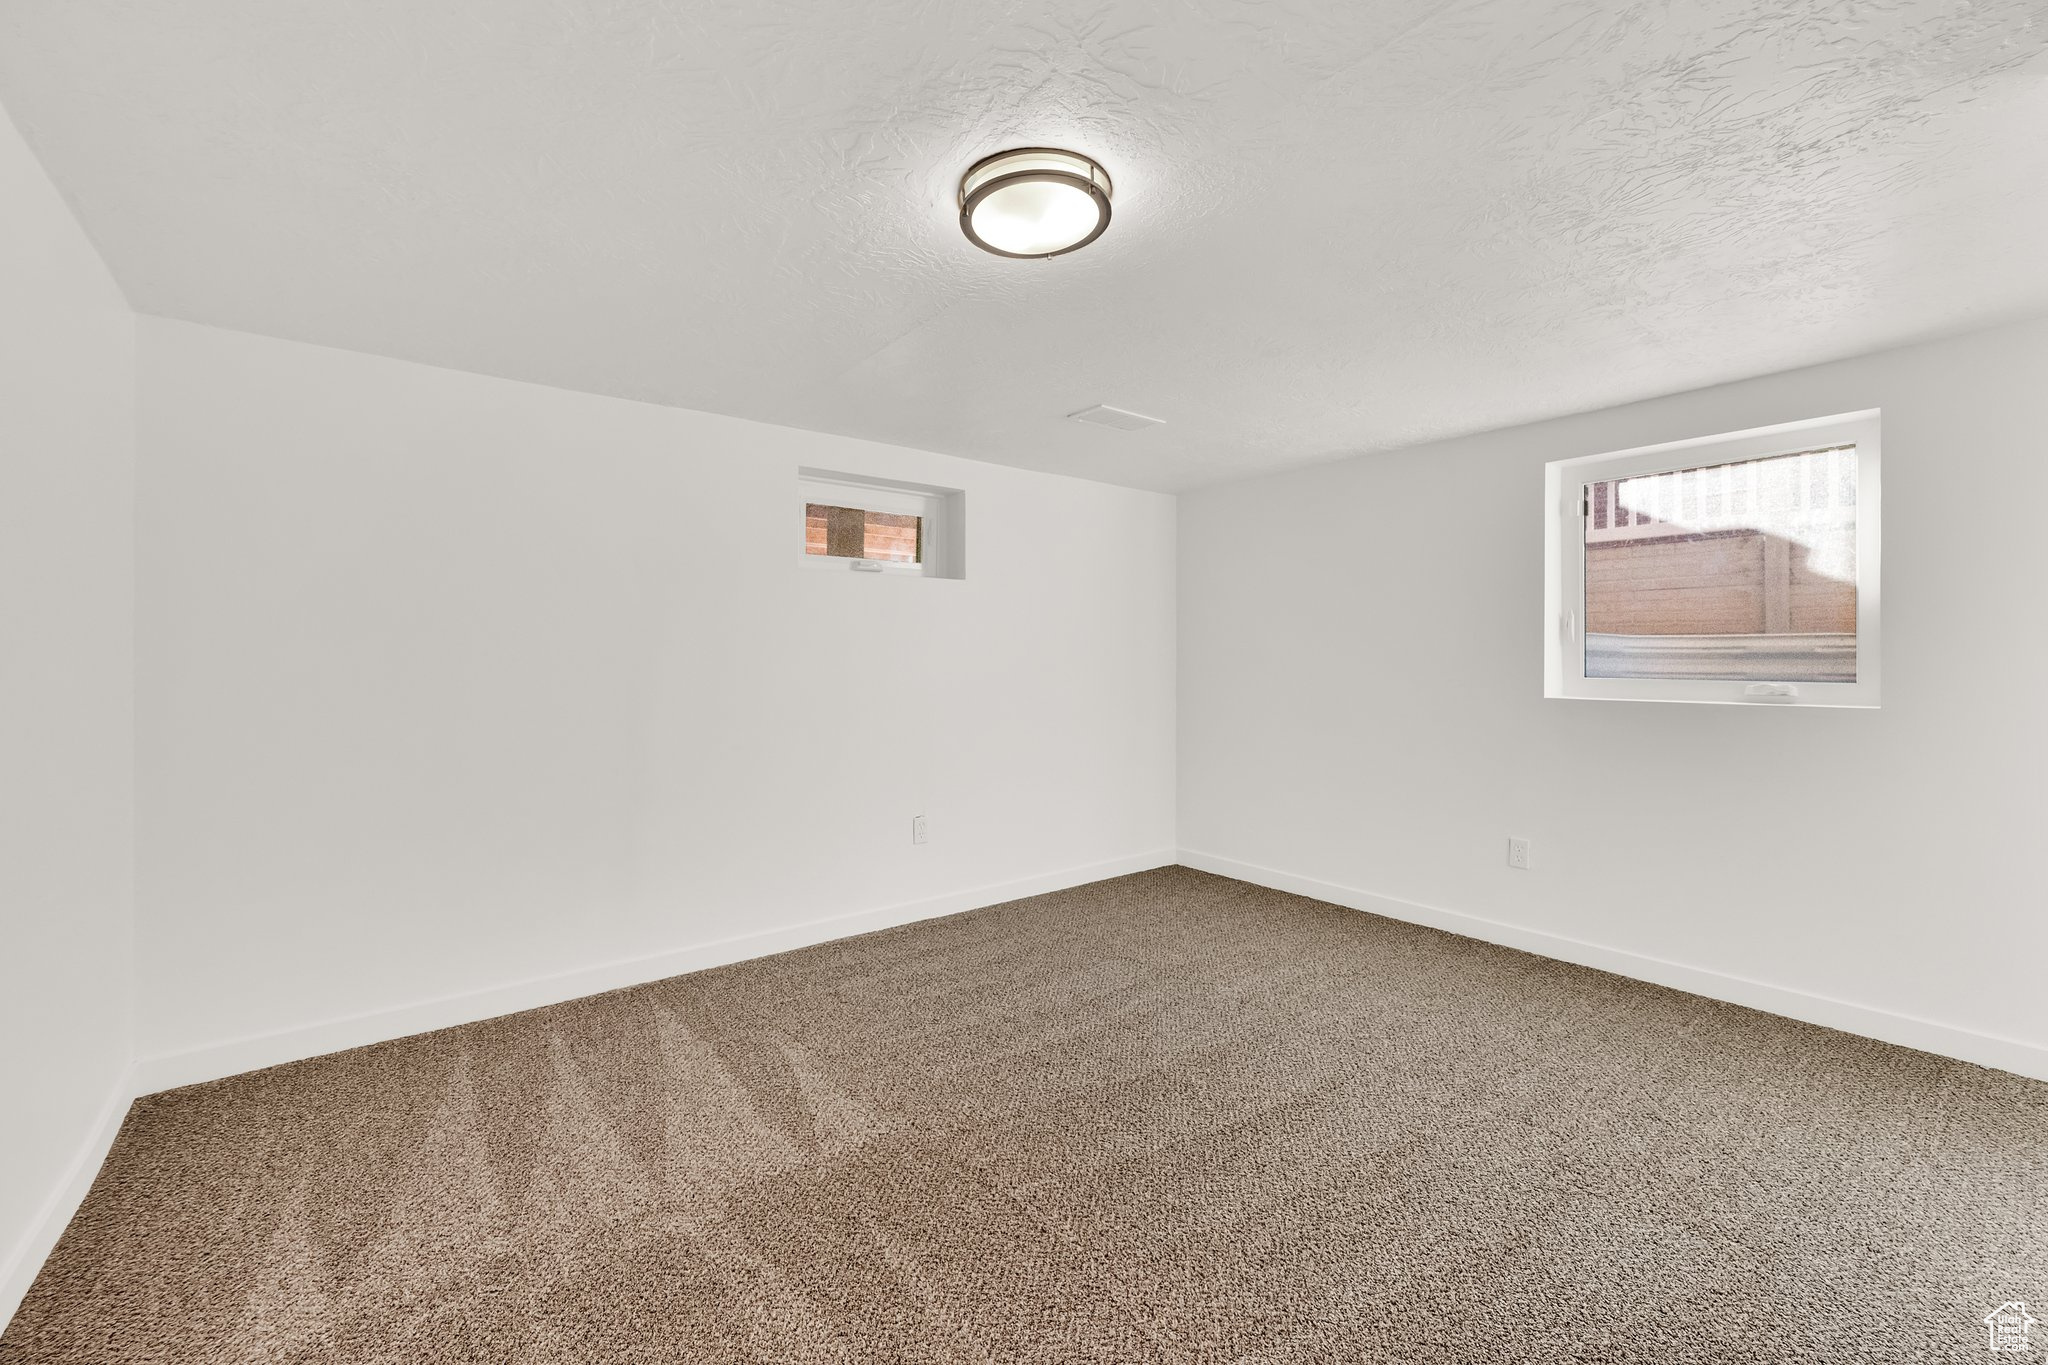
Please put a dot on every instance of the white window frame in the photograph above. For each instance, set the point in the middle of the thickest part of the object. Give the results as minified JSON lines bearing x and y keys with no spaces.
{"x":1564,"y":605}
{"x":941,"y":510}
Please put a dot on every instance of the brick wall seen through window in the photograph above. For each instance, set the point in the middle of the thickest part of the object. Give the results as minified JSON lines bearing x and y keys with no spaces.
{"x":854,"y":533}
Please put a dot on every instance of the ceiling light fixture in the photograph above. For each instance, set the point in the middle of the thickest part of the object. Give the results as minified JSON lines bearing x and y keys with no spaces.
{"x":1034,"y":202}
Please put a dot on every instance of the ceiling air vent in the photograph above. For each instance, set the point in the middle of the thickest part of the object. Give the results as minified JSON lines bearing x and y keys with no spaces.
{"x":1103,"y":415}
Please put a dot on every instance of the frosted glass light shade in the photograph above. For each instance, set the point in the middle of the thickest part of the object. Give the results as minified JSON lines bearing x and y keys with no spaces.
{"x":1034,"y":202}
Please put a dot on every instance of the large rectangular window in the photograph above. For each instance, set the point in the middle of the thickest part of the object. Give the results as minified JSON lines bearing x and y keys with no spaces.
{"x":1736,"y":568}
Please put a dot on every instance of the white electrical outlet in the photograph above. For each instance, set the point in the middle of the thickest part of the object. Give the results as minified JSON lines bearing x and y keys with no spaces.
{"x":917,"y":831}
{"x":1518,"y":853}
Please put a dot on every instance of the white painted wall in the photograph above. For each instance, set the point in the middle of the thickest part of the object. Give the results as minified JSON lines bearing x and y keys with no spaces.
{"x":67,"y":471}
{"x":449,"y":682}
{"x":1361,"y":707}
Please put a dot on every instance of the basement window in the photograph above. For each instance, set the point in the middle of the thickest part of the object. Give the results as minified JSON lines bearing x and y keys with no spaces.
{"x":857,"y":533}
{"x":1738,"y":568}
{"x":880,"y":526}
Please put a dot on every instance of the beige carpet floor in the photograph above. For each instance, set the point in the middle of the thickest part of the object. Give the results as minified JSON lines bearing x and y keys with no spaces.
{"x":1166,"y":1118}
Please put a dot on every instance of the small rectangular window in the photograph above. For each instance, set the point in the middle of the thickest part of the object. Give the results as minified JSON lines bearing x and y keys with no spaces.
{"x":881,"y":525}
{"x":1735,"y":568}
{"x":855,"y":533}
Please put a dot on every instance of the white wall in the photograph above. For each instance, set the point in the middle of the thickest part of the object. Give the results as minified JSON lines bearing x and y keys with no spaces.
{"x":1361,"y":708}
{"x":67,"y":470}
{"x":449,"y":681}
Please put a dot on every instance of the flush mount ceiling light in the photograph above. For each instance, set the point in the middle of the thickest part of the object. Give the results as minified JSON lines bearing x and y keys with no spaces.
{"x":1034,"y":202}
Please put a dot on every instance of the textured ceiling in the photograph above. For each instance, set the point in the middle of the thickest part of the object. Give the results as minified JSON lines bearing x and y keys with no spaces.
{"x":1340,"y":226}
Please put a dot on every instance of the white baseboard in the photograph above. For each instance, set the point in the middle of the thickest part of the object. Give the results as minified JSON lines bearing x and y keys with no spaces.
{"x":165,"y":1071}
{"x":25,"y":1258}
{"x":1927,"y":1035}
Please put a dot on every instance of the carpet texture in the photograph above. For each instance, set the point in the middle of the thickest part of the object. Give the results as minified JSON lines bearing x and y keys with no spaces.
{"x":1165,"y":1118}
